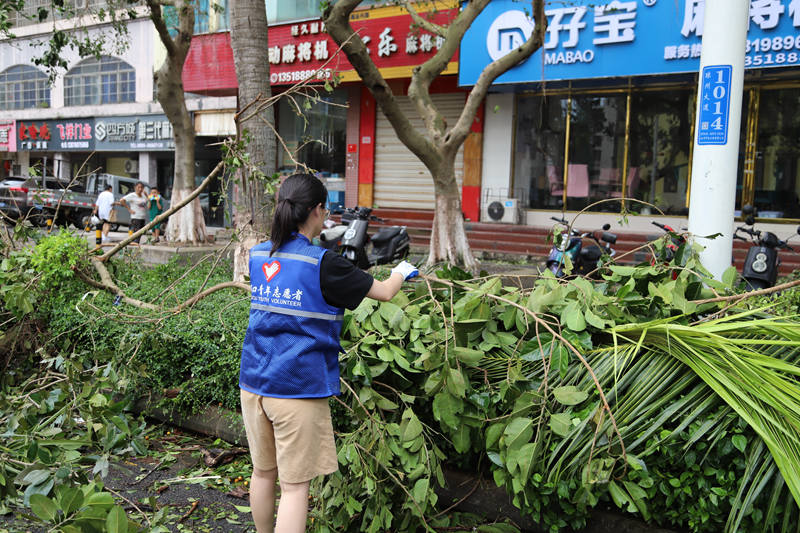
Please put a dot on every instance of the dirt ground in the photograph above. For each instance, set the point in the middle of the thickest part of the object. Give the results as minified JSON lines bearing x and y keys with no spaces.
{"x":198,"y":499}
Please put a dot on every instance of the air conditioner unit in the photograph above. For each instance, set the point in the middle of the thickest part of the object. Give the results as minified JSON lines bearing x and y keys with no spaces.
{"x":132,"y":166}
{"x":504,"y":210}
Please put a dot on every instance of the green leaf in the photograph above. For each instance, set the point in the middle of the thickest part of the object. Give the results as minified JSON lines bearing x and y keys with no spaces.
{"x":525,"y":459}
{"x":116,"y":521}
{"x":468,"y":356}
{"x":618,"y":495}
{"x":739,"y":442}
{"x":446,"y":408}
{"x":518,"y":432}
{"x":456,"y":383}
{"x":461,"y":439}
{"x":594,"y":320}
{"x":35,"y":477}
{"x":572,"y":317}
{"x":729,"y":276}
{"x":569,"y":395}
{"x":411,"y":427}
{"x":391,"y":313}
{"x":493,"y":434}
{"x":560,"y":424}
{"x":100,"y":499}
{"x":71,"y":499}
{"x":98,"y":400}
{"x":43,"y":507}
{"x":420,"y":491}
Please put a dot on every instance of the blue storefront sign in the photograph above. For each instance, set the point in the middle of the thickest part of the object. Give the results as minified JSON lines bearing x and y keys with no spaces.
{"x":597,"y":38}
{"x":716,"y":103}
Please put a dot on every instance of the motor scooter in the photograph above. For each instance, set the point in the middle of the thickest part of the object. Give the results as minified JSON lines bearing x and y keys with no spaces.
{"x":352,"y":240}
{"x":583,"y":258}
{"x":760,"y":269}
{"x":676,"y":240}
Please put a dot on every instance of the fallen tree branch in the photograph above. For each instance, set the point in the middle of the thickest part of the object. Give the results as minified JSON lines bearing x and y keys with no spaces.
{"x":107,"y":284}
{"x":556,"y":335}
{"x":163,"y":216}
{"x":760,"y":292}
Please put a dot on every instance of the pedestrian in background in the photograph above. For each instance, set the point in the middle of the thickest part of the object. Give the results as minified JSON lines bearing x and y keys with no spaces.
{"x":136,"y":203}
{"x":155,"y":209}
{"x":290,"y":357}
{"x":102,"y":208}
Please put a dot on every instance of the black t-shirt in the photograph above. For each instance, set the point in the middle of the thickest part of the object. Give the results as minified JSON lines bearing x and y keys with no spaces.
{"x":343,"y":285}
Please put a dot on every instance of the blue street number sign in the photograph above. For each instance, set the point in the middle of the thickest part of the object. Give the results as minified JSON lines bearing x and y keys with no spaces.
{"x":715,"y":98}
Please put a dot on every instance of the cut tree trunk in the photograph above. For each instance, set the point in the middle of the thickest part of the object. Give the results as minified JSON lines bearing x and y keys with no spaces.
{"x":254,"y":207}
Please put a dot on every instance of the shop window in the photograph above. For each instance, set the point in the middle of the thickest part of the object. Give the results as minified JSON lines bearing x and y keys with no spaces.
{"x":596,"y":153}
{"x":287,"y":10}
{"x":659,"y":151}
{"x":107,"y":80}
{"x":315,"y":136}
{"x":279,"y":11}
{"x":23,"y":87}
{"x":777,"y":161}
{"x":539,"y":150}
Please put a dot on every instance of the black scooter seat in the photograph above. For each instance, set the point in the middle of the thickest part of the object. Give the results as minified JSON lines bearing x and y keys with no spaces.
{"x":385,"y":235}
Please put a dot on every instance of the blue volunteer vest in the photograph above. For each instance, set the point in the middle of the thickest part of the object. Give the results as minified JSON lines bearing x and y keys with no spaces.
{"x":291,"y":348}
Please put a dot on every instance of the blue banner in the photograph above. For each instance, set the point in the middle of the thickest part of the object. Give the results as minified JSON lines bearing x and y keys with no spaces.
{"x":716,"y":97}
{"x":598,"y":39}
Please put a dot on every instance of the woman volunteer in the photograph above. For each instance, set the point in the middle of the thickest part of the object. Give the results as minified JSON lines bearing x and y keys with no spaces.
{"x":290,"y":357}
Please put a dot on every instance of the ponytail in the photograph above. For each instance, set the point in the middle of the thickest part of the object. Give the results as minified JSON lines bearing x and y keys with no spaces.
{"x":297,"y":196}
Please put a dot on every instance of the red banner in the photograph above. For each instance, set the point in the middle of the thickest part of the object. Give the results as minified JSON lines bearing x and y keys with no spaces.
{"x":297,"y":51}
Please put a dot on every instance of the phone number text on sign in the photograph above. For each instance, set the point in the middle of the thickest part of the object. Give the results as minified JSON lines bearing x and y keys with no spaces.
{"x":774,"y":51}
{"x":299,"y":75}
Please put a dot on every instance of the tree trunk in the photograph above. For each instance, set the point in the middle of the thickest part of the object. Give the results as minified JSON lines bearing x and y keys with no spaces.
{"x":188,"y":224}
{"x":436,"y":147}
{"x":254,"y":207}
{"x":448,"y":236}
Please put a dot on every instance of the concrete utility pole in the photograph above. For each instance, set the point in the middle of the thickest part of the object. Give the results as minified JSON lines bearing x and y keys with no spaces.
{"x":716,"y":141}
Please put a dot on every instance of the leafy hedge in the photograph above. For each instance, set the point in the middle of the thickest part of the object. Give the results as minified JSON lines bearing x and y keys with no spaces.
{"x":481,"y":376}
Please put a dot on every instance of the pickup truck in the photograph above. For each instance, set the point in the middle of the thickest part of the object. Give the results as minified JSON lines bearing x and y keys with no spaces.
{"x":38,"y":197}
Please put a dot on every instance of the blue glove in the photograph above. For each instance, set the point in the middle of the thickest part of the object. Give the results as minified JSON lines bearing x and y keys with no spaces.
{"x":406,"y":269}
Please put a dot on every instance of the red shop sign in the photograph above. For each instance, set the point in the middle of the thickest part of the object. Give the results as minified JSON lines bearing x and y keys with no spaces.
{"x":297,"y":51}
{"x":8,"y":137}
{"x":33,"y":135}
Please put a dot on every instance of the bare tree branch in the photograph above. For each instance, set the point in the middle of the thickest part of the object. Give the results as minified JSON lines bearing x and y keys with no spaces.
{"x":494,"y":70}
{"x":107,"y":283}
{"x":337,"y":22}
{"x":161,"y":26}
{"x":422,"y":22}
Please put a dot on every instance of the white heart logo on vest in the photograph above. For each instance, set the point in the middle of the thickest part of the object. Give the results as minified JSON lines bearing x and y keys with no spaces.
{"x":271,"y":270}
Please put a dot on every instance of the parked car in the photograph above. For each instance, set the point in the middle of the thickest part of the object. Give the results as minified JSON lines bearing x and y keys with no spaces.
{"x":42,"y":198}
{"x":13,"y":197}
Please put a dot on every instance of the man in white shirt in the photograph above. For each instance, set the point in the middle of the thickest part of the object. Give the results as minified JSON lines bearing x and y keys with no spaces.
{"x":102,"y":208}
{"x":136,"y":203}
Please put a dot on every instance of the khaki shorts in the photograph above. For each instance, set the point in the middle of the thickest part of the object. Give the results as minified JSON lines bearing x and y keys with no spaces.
{"x":294,"y":435}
